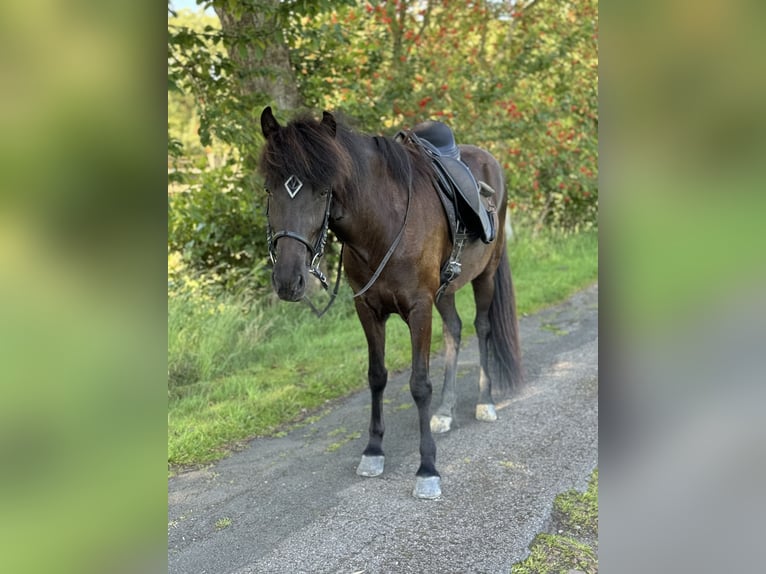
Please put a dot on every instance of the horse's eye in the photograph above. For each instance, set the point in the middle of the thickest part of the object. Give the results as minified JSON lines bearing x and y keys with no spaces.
{"x":267,"y":190}
{"x":324,"y":192}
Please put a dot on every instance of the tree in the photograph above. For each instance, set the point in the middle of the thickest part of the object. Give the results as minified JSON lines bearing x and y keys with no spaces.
{"x":256,"y":44}
{"x":228,"y":73}
{"x":518,"y":78}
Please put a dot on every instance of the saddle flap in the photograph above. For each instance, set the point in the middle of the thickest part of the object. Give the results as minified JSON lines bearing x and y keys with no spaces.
{"x":463,"y":180}
{"x":454,"y":179}
{"x":472,"y":210}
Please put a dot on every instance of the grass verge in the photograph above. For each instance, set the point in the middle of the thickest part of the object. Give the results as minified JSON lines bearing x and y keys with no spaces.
{"x":235,"y":372}
{"x":572,"y":543}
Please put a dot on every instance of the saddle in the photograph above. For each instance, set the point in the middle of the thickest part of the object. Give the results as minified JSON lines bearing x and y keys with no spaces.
{"x":459,"y":191}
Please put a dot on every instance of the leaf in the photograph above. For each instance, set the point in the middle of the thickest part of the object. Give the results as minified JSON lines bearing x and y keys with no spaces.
{"x":173,"y":86}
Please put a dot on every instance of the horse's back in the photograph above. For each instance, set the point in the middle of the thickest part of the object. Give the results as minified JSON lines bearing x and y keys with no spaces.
{"x":486,"y":168}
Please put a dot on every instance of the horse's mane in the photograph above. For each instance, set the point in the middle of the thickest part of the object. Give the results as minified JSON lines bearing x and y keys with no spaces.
{"x":307,"y":149}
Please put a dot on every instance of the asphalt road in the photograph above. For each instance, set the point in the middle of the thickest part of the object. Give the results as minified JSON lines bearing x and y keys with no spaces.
{"x":294,"y":504}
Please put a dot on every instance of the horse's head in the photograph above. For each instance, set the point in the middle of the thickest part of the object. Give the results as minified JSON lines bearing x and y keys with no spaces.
{"x":299,"y":167}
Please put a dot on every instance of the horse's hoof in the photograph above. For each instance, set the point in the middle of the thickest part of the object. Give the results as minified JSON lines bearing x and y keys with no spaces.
{"x":428,"y":487}
{"x":371,"y":465}
{"x":486,"y":413}
{"x":440,"y":423}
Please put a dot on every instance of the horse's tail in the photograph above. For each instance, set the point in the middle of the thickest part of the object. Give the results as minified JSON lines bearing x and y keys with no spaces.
{"x":504,"y":346}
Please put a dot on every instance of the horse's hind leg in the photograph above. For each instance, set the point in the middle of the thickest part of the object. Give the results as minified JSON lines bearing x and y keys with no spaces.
{"x":441,"y":420}
{"x":375,"y":331}
{"x":483,"y":291}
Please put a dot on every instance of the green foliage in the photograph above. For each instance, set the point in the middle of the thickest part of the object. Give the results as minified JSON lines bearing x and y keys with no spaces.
{"x":216,"y":226}
{"x":222,"y":523}
{"x":202,"y":89}
{"x":519,"y":79}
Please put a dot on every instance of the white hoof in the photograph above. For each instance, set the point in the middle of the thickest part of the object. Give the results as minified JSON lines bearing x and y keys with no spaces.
{"x":371,"y":465}
{"x":486,"y":413}
{"x":440,"y":423}
{"x":427,"y":487}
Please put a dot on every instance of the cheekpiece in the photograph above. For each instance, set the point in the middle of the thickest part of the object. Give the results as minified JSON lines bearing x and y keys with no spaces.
{"x":293,"y":185}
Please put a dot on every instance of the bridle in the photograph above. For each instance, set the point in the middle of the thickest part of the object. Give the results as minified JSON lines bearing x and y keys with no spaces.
{"x":317,"y":248}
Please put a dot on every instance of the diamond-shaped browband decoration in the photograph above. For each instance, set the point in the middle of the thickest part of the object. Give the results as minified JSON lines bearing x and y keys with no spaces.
{"x":293,"y":185}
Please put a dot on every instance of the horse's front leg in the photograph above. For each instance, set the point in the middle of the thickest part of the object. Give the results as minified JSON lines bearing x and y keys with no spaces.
{"x":375,"y":331}
{"x":428,"y":483}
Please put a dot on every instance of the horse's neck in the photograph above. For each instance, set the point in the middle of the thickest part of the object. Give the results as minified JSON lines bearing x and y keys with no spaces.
{"x":372,"y":205}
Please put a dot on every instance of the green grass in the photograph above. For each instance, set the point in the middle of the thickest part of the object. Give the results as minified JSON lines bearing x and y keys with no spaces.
{"x":577,"y":512}
{"x":236,"y":372}
{"x":208,"y":339}
{"x":572,"y":544}
{"x":551,"y":267}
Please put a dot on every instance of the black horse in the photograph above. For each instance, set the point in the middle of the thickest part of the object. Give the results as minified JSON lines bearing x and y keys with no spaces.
{"x":379,"y":198}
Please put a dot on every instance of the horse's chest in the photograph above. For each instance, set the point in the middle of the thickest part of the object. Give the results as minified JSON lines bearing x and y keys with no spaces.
{"x":388,"y":302}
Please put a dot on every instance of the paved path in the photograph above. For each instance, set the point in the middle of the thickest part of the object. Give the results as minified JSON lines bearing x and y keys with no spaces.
{"x":294,"y":504}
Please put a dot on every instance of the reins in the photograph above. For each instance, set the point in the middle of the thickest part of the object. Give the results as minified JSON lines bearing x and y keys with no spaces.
{"x":378,"y":271}
{"x":393,"y":245}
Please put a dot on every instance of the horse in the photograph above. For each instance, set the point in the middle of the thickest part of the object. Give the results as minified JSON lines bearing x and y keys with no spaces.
{"x":378,"y":197}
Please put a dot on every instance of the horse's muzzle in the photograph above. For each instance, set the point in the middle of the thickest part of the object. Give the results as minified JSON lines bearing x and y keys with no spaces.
{"x":291,"y":288}
{"x":289,"y":277}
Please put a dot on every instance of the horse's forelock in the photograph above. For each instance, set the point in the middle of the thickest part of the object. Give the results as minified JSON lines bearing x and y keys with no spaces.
{"x":306,"y":149}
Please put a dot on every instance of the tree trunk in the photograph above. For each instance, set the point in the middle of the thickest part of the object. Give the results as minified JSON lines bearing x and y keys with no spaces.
{"x":258,"y":49}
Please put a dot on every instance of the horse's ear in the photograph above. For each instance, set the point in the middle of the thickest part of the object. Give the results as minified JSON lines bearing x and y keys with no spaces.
{"x":329,"y":122}
{"x":269,"y":124}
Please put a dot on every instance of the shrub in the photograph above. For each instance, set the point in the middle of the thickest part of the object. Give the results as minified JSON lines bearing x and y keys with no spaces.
{"x":216,"y":227}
